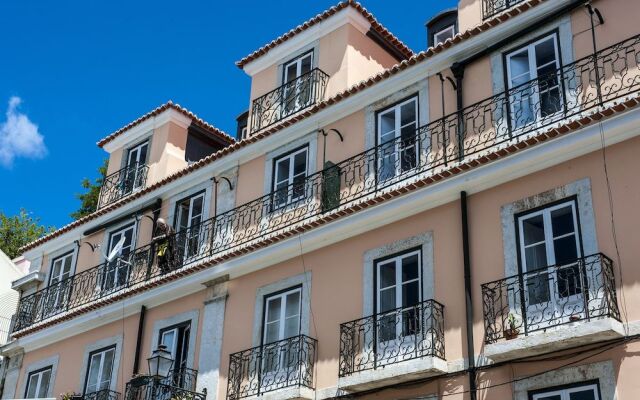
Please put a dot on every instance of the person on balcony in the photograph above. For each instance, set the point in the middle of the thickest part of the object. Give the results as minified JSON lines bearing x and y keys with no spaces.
{"x":165,"y":246}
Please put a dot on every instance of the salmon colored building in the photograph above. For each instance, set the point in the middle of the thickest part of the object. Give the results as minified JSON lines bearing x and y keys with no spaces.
{"x":458,"y":223}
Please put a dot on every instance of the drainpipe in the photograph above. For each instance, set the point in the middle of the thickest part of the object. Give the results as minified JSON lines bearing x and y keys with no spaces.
{"x":136,"y":359}
{"x":458,"y":72}
{"x":467,"y":296}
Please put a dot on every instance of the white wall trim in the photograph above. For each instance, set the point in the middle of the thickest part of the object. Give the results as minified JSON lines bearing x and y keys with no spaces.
{"x":36,"y":365}
{"x":424,"y":241}
{"x":97,"y":345}
{"x":188,"y":316}
{"x":303,"y":279}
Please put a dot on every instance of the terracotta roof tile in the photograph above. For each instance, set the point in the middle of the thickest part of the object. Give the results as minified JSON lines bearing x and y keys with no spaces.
{"x":416,"y":59}
{"x":375,"y":25}
{"x":159,"y":110}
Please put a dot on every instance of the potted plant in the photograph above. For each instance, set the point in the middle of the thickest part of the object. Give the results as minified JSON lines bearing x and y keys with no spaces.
{"x":512,"y":331}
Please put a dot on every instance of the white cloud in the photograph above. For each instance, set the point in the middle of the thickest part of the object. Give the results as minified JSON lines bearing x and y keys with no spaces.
{"x":19,"y":137}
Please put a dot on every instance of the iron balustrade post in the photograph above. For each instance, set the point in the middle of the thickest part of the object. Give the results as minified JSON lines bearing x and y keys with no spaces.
{"x":583,"y":282}
{"x":523,"y":305}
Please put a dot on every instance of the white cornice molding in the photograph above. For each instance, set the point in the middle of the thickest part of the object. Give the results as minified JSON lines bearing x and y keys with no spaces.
{"x":520,"y":164}
{"x":347,"y":15}
{"x":136,"y":133}
{"x":29,"y":279}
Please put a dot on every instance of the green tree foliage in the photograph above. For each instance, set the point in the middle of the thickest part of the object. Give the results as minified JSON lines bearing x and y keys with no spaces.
{"x":89,"y":199}
{"x":18,"y":230}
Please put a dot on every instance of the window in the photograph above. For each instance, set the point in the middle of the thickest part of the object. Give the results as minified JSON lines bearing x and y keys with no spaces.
{"x":59,"y":286}
{"x":442,"y":35}
{"x":289,"y":174}
{"x":136,"y":161}
{"x":117,"y":268}
{"x":581,"y":392}
{"x":100,"y":370}
{"x":297,"y":83}
{"x":533,"y":81}
{"x":550,"y":237}
{"x":281,"y":320}
{"x":398,"y":290}
{"x":38,"y":384}
{"x":189,"y":216}
{"x":176,"y":338}
{"x":398,"y":147}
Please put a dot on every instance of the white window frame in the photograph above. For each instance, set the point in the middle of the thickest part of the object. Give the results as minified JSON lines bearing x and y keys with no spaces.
{"x":566,"y":392}
{"x":137,"y":150}
{"x":282,"y":319}
{"x":203,"y":217}
{"x":290,"y":177}
{"x":109,"y":242}
{"x":449,"y":30}
{"x":397,"y":130}
{"x":533,"y":73}
{"x":53,"y":297}
{"x":102,"y":357}
{"x":39,"y":375}
{"x":298,"y":62}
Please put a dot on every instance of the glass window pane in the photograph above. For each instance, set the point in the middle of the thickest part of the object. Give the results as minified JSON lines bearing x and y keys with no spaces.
{"x":306,"y":64}
{"x":387,"y":274}
{"x":537,"y":289}
{"x":94,"y":369}
{"x":588,"y":394}
{"x":533,"y":230}
{"x":197,"y":206}
{"x":545,"y":52}
{"x":33,"y":386}
{"x":519,"y":64}
{"x":282,"y":170}
{"x":291,"y":72}
{"x":410,"y":294}
{"x":44,"y":383}
{"x":552,"y":397}
{"x":168,"y":339}
{"x":387,"y":124}
{"x":408,"y":113}
{"x":569,"y":283}
{"x":300,"y":163}
{"x":565,"y":250}
{"x":105,"y":379}
{"x":410,"y":268}
{"x":291,"y":327}
{"x":562,"y":221}
{"x":536,"y":257}
{"x":388,"y":300}
{"x":272,"y":332}
{"x":273,"y":309}
{"x":293,"y":305}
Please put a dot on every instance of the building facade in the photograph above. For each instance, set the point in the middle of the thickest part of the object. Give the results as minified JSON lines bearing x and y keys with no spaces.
{"x":454,"y":223}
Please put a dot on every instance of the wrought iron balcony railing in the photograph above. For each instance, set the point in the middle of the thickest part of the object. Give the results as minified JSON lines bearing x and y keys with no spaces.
{"x":122,"y":183}
{"x":273,"y":366}
{"x":148,"y":388}
{"x":581,"y":290}
{"x":104,"y":394}
{"x":392,"y":337}
{"x":493,"y":7}
{"x":505,"y":119}
{"x":185,"y":378}
{"x":288,"y":99}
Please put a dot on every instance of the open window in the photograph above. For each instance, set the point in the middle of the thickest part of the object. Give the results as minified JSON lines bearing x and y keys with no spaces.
{"x":188,"y":222}
{"x":118,"y":268}
{"x":136,"y":167}
{"x":297,"y":83}
{"x":534,"y":81}
{"x":59,"y":284}
{"x":176,"y":338}
{"x":38,"y":384}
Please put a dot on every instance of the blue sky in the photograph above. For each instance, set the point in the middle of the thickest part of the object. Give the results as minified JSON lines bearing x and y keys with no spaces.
{"x":74,"y":71}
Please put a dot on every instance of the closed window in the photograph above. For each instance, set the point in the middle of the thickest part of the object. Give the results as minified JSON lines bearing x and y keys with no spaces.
{"x":577,"y":392}
{"x":38,"y":384}
{"x":442,"y":35}
{"x":100,"y":370}
{"x":281,"y":320}
{"x":136,"y":162}
{"x":298,"y":83}
{"x":61,"y":269}
{"x":398,"y":147}
{"x":289,"y":175}
{"x":533,"y":80}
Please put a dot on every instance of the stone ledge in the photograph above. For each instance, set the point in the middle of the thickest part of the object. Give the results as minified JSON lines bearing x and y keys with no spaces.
{"x":555,"y":339}
{"x":402,"y":371}
{"x":291,"y":393}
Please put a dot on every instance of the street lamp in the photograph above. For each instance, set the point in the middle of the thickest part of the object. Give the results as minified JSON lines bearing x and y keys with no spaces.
{"x":160,"y":362}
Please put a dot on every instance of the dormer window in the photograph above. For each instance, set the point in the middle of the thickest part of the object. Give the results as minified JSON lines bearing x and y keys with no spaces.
{"x":297,"y":67}
{"x":442,"y":35}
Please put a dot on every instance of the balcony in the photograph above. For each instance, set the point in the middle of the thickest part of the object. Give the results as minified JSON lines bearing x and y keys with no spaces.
{"x":288,"y":99}
{"x":104,"y":394}
{"x":494,"y":7}
{"x":392,"y":347}
{"x":508,"y":119}
{"x":282,"y":369}
{"x":122,"y":183}
{"x":145,"y":387}
{"x":551,"y":309}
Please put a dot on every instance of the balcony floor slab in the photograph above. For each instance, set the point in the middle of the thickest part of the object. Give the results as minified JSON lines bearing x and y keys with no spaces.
{"x":292,"y":393}
{"x":392,"y":374}
{"x":555,"y":339}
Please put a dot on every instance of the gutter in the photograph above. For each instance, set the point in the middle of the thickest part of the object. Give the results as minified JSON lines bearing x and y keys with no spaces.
{"x":471,"y":355}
